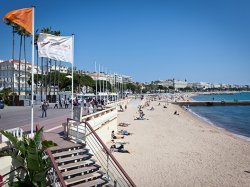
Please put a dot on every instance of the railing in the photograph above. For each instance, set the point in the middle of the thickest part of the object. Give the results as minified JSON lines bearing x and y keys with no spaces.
{"x":113,"y":171}
{"x":4,"y":182}
{"x":17,"y":132}
{"x":116,"y":103}
{"x":55,"y":175}
{"x":96,"y":120}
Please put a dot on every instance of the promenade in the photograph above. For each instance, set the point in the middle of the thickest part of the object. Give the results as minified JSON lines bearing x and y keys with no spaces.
{"x":12,"y":116}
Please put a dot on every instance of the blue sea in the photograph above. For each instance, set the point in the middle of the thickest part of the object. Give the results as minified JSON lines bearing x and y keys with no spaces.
{"x":235,"y":119}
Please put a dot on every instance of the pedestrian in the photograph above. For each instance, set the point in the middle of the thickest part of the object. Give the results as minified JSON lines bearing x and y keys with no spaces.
{"x":44,"y":109}
{"x":91,"y":109}
{"x":84,"y":102}
{"x":56,"y":104}
{"x":65,"y":103}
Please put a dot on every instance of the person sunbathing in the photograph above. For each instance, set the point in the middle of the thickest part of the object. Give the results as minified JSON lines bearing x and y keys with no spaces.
{"x":123,"y":124}
{"x":124,"y":132}
{"x":118,"y":147}
{"x":113,"y":136}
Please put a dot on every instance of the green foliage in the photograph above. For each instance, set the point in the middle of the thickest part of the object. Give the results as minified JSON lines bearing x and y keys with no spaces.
{"x":171,"y":87}
{"x":100,"y":82}
{"x":81,"y":80}
{"x":4,"y":94}
{"x":29,"y":153}
{"x":132,"y":87}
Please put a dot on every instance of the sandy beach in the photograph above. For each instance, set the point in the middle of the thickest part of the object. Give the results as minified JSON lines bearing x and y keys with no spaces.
{"x":181,"y":150}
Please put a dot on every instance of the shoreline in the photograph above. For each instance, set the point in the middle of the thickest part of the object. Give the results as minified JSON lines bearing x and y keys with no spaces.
{"x":181,"y":150}
{"x":210,"y":123}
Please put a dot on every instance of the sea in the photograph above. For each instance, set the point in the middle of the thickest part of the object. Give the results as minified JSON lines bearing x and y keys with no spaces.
{"x":235,"y":119}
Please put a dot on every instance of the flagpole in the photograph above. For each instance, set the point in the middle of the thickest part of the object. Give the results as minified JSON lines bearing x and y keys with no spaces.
{"x":107,"y":84}
{"x":99,"y":75}
{"x":95,"y":82}
{"x":72,"y":81}
{"x":32,"y":73}
{"x":103,"y":83}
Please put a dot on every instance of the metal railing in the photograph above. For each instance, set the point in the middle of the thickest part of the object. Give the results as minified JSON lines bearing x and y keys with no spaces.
{"x":113,"y":171}
{"x":55,"y":175}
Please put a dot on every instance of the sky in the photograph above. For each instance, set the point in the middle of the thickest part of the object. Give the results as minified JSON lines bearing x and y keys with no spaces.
{"x":196,"y":40}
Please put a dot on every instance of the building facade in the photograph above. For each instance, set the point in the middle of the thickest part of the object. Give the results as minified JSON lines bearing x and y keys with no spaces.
{"x":9,"y":74}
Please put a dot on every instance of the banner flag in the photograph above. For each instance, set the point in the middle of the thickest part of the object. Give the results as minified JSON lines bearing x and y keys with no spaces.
{"x":55,"y":47}
{"x":21,"y":17}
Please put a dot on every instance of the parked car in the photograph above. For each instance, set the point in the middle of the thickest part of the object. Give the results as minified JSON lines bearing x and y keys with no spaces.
{"x":1,"y":104}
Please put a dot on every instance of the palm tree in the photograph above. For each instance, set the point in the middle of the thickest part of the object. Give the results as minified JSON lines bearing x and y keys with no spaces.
{"x":23,"y":34}
{"x":13,"y":25}
{"x":19,"y":32}
{"x":37,"y":59}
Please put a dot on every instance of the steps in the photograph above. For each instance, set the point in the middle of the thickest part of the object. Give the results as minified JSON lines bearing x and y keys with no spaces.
{"x":78,"y":168}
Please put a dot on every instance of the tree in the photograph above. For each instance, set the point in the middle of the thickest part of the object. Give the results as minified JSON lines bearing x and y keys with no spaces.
{"x":100,"y":82}
{"x":23,"y":34}
{"x":132,"y":87}
{"x":81,"y":80}
{"x":4,"y":94}
{"x":160,"y":87}
{"x":13,"y":25}
{"x":37,"y":59}
{"x":171,"y":87}
{"x":29,"y":153}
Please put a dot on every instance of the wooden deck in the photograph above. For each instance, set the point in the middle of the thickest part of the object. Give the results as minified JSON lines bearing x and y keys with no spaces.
{"x":58,"y":137}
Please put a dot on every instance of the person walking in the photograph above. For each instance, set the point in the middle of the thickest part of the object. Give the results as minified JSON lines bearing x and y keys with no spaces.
{"x":56,"y":105}
{"x":44,"y":109}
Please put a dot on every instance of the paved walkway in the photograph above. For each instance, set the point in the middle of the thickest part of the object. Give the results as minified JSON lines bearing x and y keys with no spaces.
{"x":12,"y":116}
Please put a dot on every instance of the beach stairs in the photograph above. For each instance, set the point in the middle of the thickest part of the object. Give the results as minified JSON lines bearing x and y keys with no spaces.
{"x":77,"y":167}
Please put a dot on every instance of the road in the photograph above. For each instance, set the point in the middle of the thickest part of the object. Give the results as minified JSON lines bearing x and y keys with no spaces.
{"x":13,"y":116}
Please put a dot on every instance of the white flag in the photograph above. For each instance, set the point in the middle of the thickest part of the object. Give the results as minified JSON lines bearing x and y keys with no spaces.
{"x":55,"y":47}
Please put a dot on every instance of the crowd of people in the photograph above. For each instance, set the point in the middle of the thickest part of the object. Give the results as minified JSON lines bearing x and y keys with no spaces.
{"x":90,"y":104}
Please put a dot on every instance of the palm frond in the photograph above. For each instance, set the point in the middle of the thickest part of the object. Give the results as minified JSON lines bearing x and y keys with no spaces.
{"x":13,"y":140}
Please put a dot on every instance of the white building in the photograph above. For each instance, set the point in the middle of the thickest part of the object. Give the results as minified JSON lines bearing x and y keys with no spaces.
{"x":177,"y":84}
{"x":180,"y":84}
{"x":202,"y":85}
{"x":215,"y":85}
{"x":166,"y":83}
{"x":57,"y":68}
{"x":112,"y":78}
{"x":10,"y":74}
